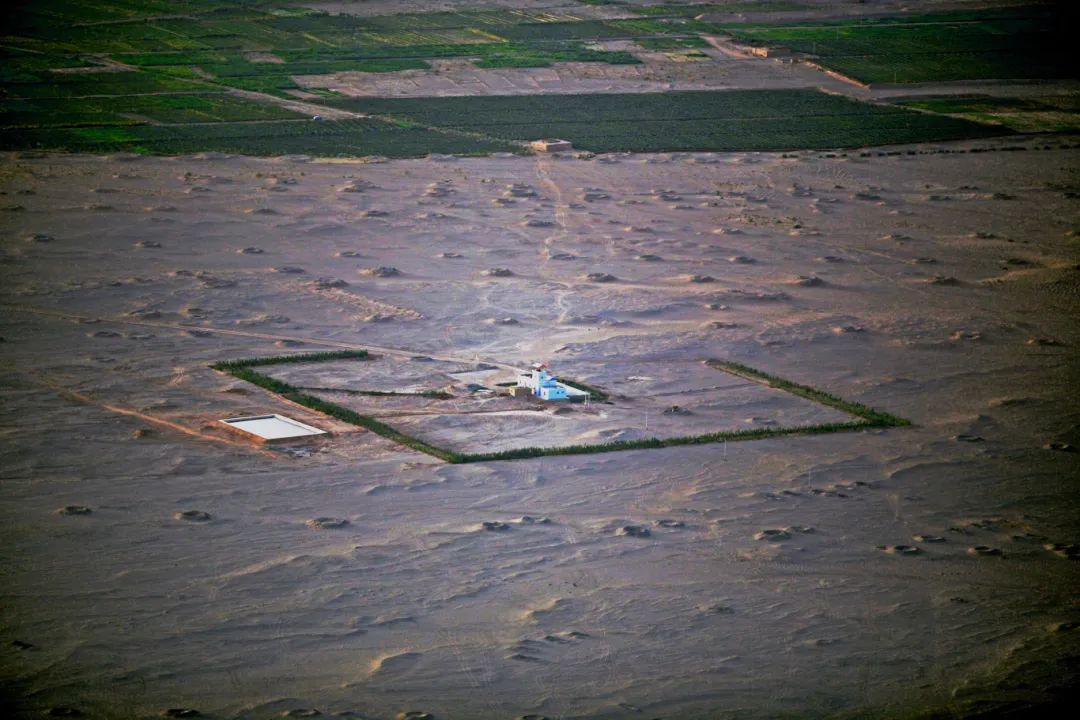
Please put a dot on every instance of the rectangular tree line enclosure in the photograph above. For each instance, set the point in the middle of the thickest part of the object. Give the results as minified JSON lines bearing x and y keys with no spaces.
{"x":835,"y":415}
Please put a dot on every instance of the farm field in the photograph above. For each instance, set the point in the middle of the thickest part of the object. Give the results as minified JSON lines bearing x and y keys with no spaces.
{"x":645,"y":122}
{"x":112,"y":61}
{"x":331,"y":138}
{"x":131,"y":81}
{"x":1029,"y":42}
{"x":1056,"y":113}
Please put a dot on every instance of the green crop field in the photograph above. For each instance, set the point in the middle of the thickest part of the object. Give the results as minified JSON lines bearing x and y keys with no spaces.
{"x":345,"y":138}
{"x":198,"y":46}
{"x":1054,"y":113}
{"x":710,"y":120}
{"x":167,"y":109}
{"x":694,"y":9}
{"x":1027,"y":42}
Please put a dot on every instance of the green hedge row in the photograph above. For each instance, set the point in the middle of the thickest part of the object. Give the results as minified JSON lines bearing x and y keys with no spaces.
{"x":648,"y":443}
{"x":595,"y":392}
{"x":872,"y":417}
{"x":436,"y":394}
{"x":379,"y":428}
{"x":229,"y":365}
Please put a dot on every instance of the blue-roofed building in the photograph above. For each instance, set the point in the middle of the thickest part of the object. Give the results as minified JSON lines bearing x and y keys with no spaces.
{"x":545,"y":386}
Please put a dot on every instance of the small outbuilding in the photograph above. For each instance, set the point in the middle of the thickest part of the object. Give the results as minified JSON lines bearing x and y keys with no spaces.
{"x":550,"y":145}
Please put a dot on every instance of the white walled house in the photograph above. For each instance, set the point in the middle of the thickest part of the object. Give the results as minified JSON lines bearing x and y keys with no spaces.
{"x":545,"y":386}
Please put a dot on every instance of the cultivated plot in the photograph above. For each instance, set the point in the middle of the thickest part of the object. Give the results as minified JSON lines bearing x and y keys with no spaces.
{"x":1025,"y":42}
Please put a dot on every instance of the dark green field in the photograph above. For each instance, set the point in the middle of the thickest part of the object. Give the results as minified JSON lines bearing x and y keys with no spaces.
{"x":1028,"y":42}
{"x":716,"y":120}
{"x":340,"y":138}
{"x":1051,"y":113}
{"x":686,"y":121}
{"x":159,"y":77}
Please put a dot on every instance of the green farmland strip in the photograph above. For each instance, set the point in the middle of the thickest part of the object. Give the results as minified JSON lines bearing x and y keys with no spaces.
{"x":494,"y":110}
{"x":1051,"y":113}
{"x":136,"y":109}
{"x":342,"y":138}
{"x":308,"y":357}
{"x":709,"y":120}
{"x":669,"y":42}
{"x":1014,"y":43}
{"x":749,"y":134}
{"x":103,"y":84}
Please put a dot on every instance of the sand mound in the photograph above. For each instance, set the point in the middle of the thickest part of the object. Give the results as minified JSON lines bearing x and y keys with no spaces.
{"x":327,"y":283}
{"x":520,"y":190}
{"x":530,"y":520}
{"x":900,"y":549}
{"x":383,"y":271}
{"x":192,"y":516}
{"x":326,"y":523}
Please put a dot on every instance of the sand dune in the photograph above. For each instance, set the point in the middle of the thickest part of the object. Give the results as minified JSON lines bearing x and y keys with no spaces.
{"x":159,"y":563}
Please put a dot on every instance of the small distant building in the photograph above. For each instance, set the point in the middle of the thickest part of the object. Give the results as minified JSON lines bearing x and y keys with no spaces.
{"x":551,"y":145}
{"x":775,"y":53}
{"x":542,"y":384}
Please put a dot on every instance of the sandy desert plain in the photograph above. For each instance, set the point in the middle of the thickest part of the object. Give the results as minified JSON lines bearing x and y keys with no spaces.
{"x":155,"y":563}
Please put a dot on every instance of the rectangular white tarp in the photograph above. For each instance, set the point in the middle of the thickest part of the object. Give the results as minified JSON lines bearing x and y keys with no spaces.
{"x":273,"y":427}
